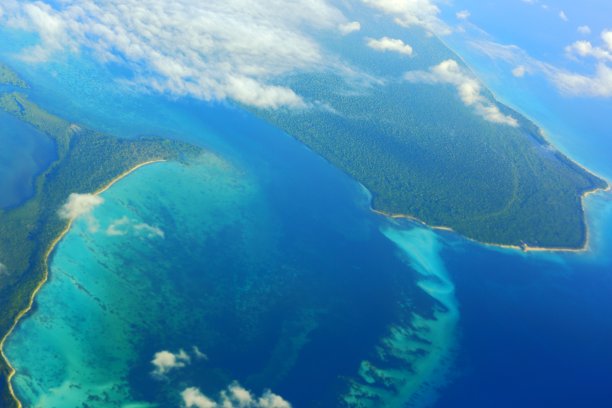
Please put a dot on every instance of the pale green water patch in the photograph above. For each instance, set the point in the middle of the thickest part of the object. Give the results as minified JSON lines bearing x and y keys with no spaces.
{"x":412,"y":360}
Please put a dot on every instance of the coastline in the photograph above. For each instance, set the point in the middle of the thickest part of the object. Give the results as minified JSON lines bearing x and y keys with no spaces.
{"x":549,"y":141}
{"x":45,"y":276}
{"x":524,"y":248}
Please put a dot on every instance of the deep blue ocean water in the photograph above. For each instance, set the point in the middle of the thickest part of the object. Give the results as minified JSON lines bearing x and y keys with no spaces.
{"x":272,"y":264}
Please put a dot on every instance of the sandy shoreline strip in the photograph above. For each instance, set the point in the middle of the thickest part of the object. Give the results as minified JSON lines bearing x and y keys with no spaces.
{"x":45,"y":277}
{"x":524,"y":248}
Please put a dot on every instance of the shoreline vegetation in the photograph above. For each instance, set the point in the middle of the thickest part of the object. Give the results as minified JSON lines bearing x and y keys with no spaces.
{"x":525,"y":248}
{"x":86,"y":161}
{"x":45,"y":277}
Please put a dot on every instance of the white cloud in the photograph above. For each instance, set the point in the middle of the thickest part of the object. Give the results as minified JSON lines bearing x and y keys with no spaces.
{"x":584,"y":49}
{"x":351,"y":27}
{"x":193,"y":398}
{"x":241,"y":396}
{"x":81,"y":205}
{"x":584,"y":30}
{"x":3,"y":270}
{"x":597,"y":85}
{"x":390,"y":44}
{"x":468,"y":88}
{"x":463,"y":14}
{"x":563,"y":16}
{"x":519,"y":71}
{"x":408,"y":13}
{"x":212,"y":50}
{"x":234,"y":397}
{"x":269,"y":400}
{"x":165,"y":361}
{"x":606,"y":36}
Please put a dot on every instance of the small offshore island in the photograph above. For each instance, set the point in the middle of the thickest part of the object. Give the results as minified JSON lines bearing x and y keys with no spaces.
{"x":87,"y":162}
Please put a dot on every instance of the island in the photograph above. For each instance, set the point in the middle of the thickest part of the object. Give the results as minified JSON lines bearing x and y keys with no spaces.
{"x":425,"y":155}
{"x":87,"y":162}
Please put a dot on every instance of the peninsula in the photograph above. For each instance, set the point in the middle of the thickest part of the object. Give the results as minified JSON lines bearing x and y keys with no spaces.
{"x":87,"y":162}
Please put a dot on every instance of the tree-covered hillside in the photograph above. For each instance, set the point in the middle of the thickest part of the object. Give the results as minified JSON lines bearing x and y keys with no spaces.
{"x":87,"y":160}
{"x":424,"y":153}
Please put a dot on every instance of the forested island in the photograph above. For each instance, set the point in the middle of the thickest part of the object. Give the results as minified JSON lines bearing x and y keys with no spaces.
{"x":86,"y":161}
{"x":425,"y":155}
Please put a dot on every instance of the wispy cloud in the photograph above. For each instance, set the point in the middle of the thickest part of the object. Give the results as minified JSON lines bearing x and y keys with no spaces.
{"x":117,"y":227}
{"x":166,"y":361}
{"x":351,"y":27}
{"x":212,"y":50}
{"x":413,"y":13}
{"x":124,"y":225}
{"x":468,"y":88}
{"x":597,"y":83}
{"x":463,"y":14}
{"x":149,"y":231}
{"x":390,"y":44}
{"x":235,"y":396}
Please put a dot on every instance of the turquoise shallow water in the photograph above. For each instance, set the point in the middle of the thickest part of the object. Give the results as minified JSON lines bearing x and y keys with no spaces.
{"x":104,"y":297}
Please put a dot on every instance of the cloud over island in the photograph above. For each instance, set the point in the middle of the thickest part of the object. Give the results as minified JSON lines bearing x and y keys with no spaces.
{"x":81,"y":206}
{"x":468,"y":88}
